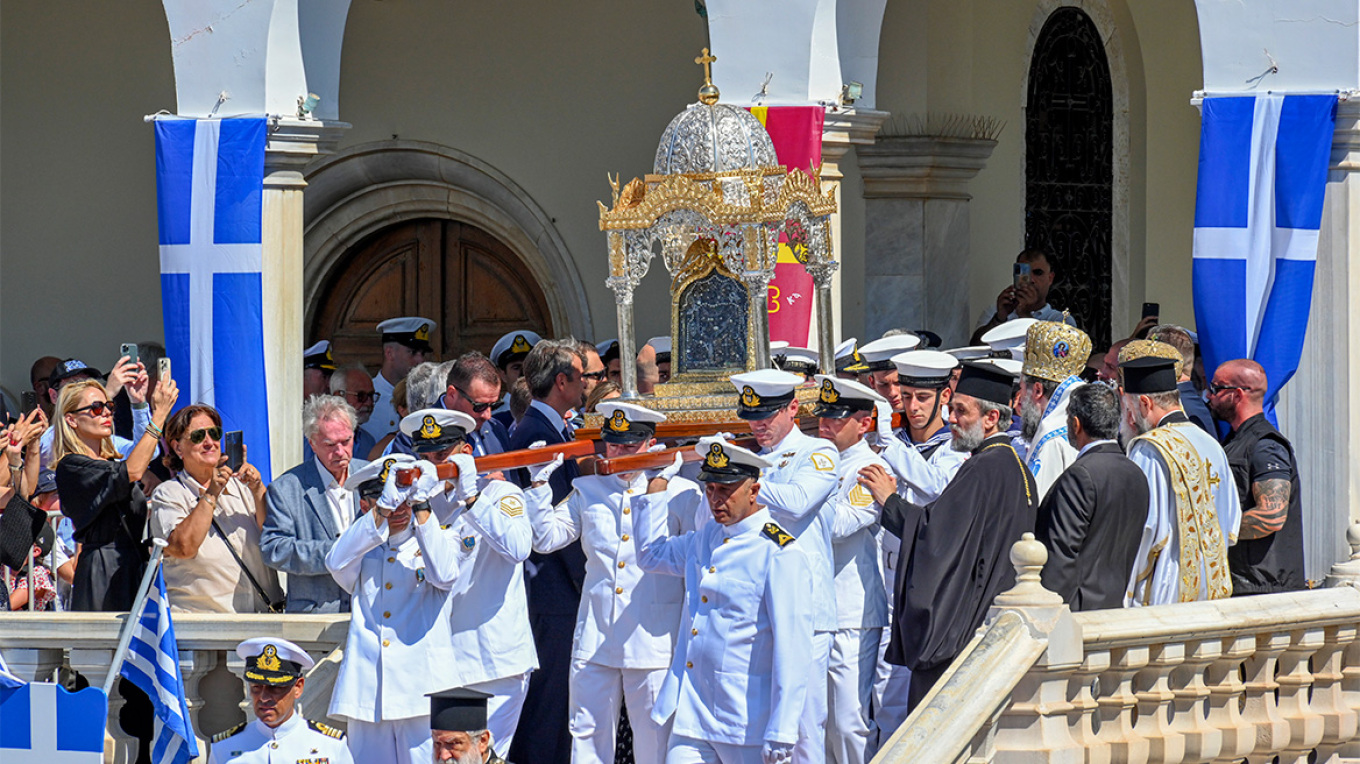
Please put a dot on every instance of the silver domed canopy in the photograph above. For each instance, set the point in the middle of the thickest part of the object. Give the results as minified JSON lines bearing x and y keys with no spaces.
{"x":720,"y":138}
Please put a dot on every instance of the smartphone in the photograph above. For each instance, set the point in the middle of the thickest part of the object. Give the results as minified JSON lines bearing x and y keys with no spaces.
{"x":1021,"y":273}
{"x":163,"y":369}
{"x":30,"y":401}
{"x":1152,"y":309}
{"x":234,"y":447}
{"x":128,"y":349}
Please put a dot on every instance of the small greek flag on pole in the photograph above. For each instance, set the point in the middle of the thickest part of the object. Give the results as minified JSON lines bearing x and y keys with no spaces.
{"x":1258,"y":209}
{"x":152,"y":663}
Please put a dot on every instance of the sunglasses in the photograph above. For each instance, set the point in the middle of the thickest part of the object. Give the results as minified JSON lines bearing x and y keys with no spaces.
{"x":196,"y":437}
{"x":1216,"y":389}
{"x":477,"y":407}
{"x":361,"y":396}
{"x":598,"y":376}
{"x":98,"y":408}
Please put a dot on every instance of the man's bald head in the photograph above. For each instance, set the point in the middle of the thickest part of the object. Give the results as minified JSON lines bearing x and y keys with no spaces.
{"x":1246,"y":374}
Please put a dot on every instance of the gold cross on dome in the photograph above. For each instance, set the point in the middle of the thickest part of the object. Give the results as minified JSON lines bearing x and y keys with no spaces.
{"x":706,"y":60}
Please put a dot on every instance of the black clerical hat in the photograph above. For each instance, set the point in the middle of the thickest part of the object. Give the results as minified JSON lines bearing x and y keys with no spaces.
{"x":1149,"y":374}
{"x":985,"y":381}
{"x":458,"y":710}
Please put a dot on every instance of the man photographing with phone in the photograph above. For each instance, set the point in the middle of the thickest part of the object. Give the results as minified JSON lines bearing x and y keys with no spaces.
{"x":1026,"y":297}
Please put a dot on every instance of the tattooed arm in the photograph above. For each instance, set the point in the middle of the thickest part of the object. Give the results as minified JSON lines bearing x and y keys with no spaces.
{"x":1272,"y":507}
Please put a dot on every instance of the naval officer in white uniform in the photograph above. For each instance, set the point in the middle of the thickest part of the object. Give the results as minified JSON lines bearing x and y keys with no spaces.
{"x":278,"y":734}
{"x":405,"y":345}
{"x":626,"y":625}
{"x":738,"y":682}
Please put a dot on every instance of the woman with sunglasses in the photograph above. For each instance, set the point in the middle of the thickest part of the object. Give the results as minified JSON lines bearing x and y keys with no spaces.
{"x":99,"y":491}
{"x":211,"y":518}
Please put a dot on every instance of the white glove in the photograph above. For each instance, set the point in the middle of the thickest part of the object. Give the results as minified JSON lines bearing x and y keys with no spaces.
{"x":539,"y":444}
{"x":883,"y":418}
{"x":777,"y":753}
{"x":428,"y":485}
{"x":393,"y":495}
{"x":466,"y":486}
{"x":542,"y":474}
{"x":667,"y":473}
{"x":657,"y":447}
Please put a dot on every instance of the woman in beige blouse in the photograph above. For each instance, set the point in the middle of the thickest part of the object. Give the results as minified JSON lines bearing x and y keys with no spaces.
{"x":206,"y":513}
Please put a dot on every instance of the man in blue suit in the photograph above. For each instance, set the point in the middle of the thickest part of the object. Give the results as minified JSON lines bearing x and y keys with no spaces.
{"x":554,"y":370}
{"x":474,"y":389}
{"x":308,"y":507}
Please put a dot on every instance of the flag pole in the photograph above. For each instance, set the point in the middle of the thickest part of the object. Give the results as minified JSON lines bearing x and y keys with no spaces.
{"x":125,"y":637}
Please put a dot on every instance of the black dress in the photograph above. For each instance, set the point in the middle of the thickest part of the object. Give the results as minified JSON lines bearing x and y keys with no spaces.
{"x":109,"y":513}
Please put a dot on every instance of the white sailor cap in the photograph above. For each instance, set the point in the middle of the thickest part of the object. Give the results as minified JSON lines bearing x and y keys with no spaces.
{"x":878,"y":354}
{"x":848,"y":358}
{"x":662,"y":345}
{"x":626,"y":423}
{"x":411,"y":331}
{"x":846,"y":348}
{"x":970,"y":353}
{"x":762,"y":393}
{"x":319,"y":356}
{"x":839,"y":398}
{"x":368,"y":480}
{"x":803,"y":361}
{"x":272,"y":661}
{"x":726,"y":462}
{"x":513,"y":346}
{"x":1008,"y":340}
{"x":436,"y":429}
{"x":924,"y":368}
{"x":1009,"y":365}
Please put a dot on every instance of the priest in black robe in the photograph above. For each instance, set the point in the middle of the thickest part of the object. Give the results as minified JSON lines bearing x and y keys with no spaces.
{"x":955,"y":551}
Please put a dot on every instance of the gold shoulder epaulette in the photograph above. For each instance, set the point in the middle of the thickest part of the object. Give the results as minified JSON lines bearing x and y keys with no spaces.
{"x":219,"y":737}
{"x":778,"y":535}
{"x":325,"y":730}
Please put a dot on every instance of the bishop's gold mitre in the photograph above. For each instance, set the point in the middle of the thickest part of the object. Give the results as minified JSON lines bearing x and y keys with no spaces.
{"x":1055,"y":351}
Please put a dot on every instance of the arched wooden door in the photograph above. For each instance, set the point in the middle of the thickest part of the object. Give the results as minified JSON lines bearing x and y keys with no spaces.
{"x":457,"y":274}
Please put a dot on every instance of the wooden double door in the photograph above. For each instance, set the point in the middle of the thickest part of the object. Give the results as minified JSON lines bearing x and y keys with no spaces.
{"x":464,"y":278}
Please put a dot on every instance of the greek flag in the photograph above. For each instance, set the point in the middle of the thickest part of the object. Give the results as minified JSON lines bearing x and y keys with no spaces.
{"x":42,"y":723}
{"x":209,"y":191}
{"x":152,"y":664}
{"x":1262,"y":175}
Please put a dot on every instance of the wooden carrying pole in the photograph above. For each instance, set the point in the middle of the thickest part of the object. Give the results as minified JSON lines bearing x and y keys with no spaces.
{"x":653,"y":460}
{"x":510,"y":460}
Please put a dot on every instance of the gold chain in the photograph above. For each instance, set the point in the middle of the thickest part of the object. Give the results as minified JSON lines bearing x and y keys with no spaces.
{"x":1028,"y":496}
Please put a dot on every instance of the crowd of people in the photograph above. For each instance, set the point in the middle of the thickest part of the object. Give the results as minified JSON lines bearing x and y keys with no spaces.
{"x":791,"y":597}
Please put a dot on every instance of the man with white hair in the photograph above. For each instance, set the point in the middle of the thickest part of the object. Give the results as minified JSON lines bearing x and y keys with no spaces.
{"x":458,"y":728}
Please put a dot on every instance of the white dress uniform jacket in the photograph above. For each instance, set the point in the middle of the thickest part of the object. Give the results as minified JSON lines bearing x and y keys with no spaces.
{"x":628,"y":617}
{"x":399,"y":644}
{"x":739,"y":674}
{"x":1049,"y":453}
{"x":861,"y":598}
{"x":295,"y":741}
{"x":796,"y":490}
{"x":384,"y":420}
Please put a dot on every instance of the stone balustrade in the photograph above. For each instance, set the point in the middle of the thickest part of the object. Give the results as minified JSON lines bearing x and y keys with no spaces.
{"x":1256,"y":679}
{"x":36,"y":645}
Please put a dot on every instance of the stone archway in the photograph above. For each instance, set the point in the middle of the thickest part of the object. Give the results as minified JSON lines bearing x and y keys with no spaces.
{"x":364,"y":189}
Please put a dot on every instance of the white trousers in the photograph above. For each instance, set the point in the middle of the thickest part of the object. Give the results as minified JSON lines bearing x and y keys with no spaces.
{"x":503,"y":707}
{"x":404,"y":741}
{"x":890,"y":696}
{"x":596,"y":693}
{"x":688,"y":750}
{"x":811,"y":746}
{"x":853,"y":668}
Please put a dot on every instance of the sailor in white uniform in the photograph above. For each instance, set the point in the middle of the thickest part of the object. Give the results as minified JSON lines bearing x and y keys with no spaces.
{"x":626,"y":625}
{"x":845,"y":412}
{"x":737,"y":684}
{"x":1008,"y":339}
{"x":406,"y":344}
{"x":278,"y":734}
{"x":492,"y":645}
{"x":1055,"y":356}
{"x":878,"y":357}
{"x":797,"y":488}
{"x":508,"y":356}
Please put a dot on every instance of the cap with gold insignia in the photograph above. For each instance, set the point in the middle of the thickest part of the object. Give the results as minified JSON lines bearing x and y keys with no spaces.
{"x":662,"y":345}
{"x":411,"y":331}
{"x":271,"y":661}
{"x":319,"y":356}
{"x":848,"y":358}
{"x":513,"y":346}
{"x":970,"y":353}
{"x":608,"y":350}
{"x":878,"y":354}
{"x":839,"y":398}
{"x":727,"y":463}
{"x":436,"y":429}
{"x":627,"y":423}
{"x":986,"y":381}
{"x":761,"y":393}
{"x":458,"y":710}
{"x":777,"y":348}
{"x":1008,"y":339}
{"x":798,"y":361}
{"x":368,"y":480}
{"x":924,"y":368}
{"x":1148,"y":366}
{"x":1055,"y":351}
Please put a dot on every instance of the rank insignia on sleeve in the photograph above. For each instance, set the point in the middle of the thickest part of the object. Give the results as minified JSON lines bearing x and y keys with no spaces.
{"x":223,"y":735}
{"x":859,"y":497}
{"x":778,"y":535}
{"x":823,"y":463}
{"x":512,"y":506}
{"x":323,"y":729}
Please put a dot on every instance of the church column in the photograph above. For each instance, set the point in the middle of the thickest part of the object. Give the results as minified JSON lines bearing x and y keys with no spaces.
{"x":916,"y":237}
{"x":292,"y":144}
{"x":1319,"y":410}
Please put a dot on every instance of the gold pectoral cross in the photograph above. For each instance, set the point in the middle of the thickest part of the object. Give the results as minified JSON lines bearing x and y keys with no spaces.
{"x":1213,"y":479}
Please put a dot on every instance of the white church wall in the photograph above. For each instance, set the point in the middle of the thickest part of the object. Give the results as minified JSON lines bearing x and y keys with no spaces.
{"x":1297,"y":45}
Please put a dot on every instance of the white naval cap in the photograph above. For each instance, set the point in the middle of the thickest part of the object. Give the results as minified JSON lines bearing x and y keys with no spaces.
{"x":512,"y":344}
{"x":1008,"y":339}
{"x":970,"y":353}
{"x":376,"y":471}
{"x":803,"y":361}
{"x":273,"y":661}
{"x":319,"y":356}
{"x":661,"y":344}
{"x":727,"y":462}
{"x":1009,"y":365}
{"x":436,"y":429}
{"x":627,"y":422}
{"x":924,"y":368}
{"x":608,"y":350}
{"x":411,"y":331}
{"x":848,"y":358}
{"x":763,"y":392}
{"x":878,"y":354}
{"x":846,"y":348}
{"x":839,"y":398}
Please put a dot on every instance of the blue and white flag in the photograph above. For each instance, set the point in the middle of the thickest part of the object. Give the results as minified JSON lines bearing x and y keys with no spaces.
{"x":42,"y":723}
{"x":1258,"y":209}
{"x":210,"y":190}
{"x":152,"y":664}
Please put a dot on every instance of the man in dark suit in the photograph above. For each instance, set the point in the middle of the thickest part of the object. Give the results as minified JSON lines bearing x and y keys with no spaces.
{"x":554,"y":370}
{"x":1092,"y":518}
{"x":308,"y":507}
{"x":474,"y":389}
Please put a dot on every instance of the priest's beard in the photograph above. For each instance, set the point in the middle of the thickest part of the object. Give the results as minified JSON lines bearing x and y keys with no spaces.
{"x":1132,"y":423}
{"x":1031,"y":414}
{"x":470,"y":756}
{"x":968,"y":439}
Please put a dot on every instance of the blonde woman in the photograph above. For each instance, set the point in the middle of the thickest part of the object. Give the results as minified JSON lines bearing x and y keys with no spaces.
{"x":100,"y":494}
